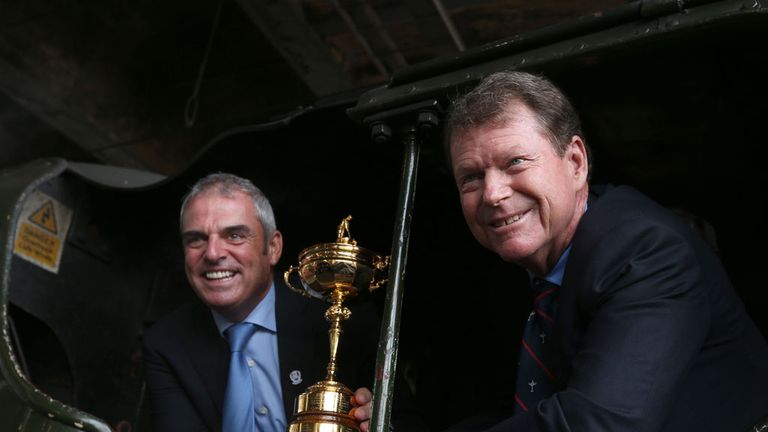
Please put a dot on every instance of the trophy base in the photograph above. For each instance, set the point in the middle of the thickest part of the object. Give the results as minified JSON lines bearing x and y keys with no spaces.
{"x":324,"y":407}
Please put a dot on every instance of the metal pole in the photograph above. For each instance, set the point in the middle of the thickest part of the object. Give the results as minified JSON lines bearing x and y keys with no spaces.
{"x":390,"y":327}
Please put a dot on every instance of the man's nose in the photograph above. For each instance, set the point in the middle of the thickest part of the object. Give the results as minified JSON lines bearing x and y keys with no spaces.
{"x":496,"y":188}
{"x":214,"y":249}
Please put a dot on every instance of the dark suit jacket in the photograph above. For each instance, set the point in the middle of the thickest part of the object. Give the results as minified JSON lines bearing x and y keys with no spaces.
{"x":187,"y":361}
{"x":653,"y":336}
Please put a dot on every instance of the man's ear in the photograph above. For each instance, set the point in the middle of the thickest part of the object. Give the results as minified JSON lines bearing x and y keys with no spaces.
{"x":275,"y":247}
{"x":577,"y":158}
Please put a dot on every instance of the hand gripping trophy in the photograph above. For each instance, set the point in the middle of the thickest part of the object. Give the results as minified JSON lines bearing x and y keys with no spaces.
{"x":333,"y":272}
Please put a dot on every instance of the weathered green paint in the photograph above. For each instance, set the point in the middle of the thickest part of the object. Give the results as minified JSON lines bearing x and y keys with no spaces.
{"x":24,"y":408}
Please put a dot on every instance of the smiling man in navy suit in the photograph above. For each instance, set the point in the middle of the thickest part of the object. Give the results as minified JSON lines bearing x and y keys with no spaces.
{"x":641,"y":330}
{"x":231,"y":246}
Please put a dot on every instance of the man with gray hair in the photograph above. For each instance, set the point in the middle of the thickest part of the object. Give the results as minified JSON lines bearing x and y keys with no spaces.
{"x":235,"y":360}
{"x":635,"y":325}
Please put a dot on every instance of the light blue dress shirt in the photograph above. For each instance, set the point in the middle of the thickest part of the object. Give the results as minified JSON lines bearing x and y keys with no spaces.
{"x":262,"y":357}
{"x":555,"y":275}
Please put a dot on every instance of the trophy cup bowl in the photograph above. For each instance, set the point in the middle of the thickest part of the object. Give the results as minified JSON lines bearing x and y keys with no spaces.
{"x":345,"y":267}
{"x":333,"y":272}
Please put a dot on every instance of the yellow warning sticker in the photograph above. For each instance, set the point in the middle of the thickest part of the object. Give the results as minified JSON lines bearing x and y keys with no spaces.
{"x":45,"y":217}
{"x":41,"y":231}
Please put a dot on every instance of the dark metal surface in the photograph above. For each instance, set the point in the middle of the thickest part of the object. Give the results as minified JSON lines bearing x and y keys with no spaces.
{"x":621,"y":27}
{"x":115,"y":177}
{"x":25,"y":407}
{"x":390,"y":327}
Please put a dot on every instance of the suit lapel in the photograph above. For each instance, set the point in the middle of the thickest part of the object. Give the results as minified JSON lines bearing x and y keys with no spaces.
{"x":297,"y":333}
{"x":208,"y":353}
{"x":569,"y":335}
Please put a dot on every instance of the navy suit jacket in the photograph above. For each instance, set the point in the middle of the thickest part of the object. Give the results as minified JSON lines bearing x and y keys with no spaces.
{"x":652,"y":336}
{"x":187,"y":360}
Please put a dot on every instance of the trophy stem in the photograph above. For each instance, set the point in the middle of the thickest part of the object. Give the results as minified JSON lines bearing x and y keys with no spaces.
{"x":335,"y":314}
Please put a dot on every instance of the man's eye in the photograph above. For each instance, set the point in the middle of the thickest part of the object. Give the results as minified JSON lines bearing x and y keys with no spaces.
{"x":515,"y":161}
{"x":194,"y":242}
{"x":237,"y":237}
{"x":469,"y":178}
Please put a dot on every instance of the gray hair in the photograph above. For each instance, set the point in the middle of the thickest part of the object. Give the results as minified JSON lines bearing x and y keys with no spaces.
{"x":489,"y":103}
{"x":226,"y":185}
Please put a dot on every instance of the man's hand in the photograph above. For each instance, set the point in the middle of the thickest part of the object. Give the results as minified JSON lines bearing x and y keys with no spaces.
{"x":361,"y":401}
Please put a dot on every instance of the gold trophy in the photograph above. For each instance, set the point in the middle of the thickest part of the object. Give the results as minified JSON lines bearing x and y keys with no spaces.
{"x":333,"y":272}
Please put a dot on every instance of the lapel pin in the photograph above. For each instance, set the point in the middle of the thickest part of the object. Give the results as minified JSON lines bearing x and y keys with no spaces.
{"x":295,"y":377}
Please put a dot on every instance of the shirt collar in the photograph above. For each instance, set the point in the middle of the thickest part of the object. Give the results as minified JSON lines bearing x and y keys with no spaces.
{"x":555,"y":275}
{"x":263,"y":315}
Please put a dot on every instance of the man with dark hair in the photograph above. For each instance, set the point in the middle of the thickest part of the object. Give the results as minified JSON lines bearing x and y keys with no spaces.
{"x":231,"y":246}
{"x":635,"y":325}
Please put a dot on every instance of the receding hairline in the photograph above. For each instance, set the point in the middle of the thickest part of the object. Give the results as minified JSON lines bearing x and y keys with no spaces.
{"x":492,"y":100}
{"x":226,"y":184}
{"x":217,"y":190}
{"x":510,"y":115}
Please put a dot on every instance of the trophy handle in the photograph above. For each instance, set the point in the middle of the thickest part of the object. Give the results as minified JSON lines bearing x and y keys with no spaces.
{"x":380,"y":264}
{"x":286,"y":278}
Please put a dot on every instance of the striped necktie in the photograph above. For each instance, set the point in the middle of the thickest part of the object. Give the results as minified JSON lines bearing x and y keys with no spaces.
{"x":535,"y":380}
{"x":238,"y":399}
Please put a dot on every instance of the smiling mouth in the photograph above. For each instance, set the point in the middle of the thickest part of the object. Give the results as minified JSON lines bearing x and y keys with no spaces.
{"x":219,"y":275}
{"x":508,"y":221}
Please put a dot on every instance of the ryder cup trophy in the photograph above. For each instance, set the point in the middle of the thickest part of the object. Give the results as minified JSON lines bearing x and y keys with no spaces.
{"x":333,"y":272}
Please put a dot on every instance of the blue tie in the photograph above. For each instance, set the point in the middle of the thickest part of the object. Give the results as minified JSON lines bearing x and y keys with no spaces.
{"x":535,"y":380}
{"x":238,"y":400}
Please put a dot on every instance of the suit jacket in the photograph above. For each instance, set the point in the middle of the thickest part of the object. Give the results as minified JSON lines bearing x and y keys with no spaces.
{"x":652,"y":335}
{"x":187,"y":360}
